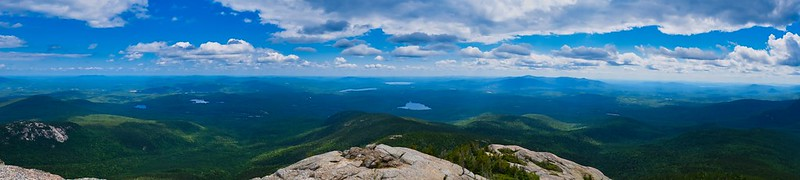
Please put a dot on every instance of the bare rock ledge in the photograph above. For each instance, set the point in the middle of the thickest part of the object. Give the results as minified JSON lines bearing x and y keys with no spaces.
{"x":386,"y":162}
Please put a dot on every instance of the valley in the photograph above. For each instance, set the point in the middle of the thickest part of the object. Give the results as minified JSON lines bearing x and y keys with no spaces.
{"x":208,"y":127}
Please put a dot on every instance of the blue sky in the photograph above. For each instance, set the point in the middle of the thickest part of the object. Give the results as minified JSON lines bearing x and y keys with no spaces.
{"x":718,"y":41}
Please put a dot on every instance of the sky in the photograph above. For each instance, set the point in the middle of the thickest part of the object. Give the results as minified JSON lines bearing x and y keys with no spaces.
{"x":659,"y":40}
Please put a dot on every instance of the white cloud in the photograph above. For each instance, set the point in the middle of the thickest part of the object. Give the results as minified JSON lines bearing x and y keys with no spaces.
{"x":92,"y":46}
{"x":305,"y":49}
{"x":361,"y":50}
{"x":233,"y":52}
{"x":479,"y":21}
{"x":538,"y":61}
{"x":174,"y":18}
{"x":680,"y":52}
{"x":472,"y":52}
{"x":414,"y":52}
{"x":247,"y":20}
{"x":9,"y":25}
{"x":379,"y":58}
{"x":626,"y":59}
{"x":133,"y":56}
{"x":780,"y":51}
{"x":273,"y":56}
{"x":37,"y":56}
{"x":7,"y":41}
{"x":97,"y":14}
{"x":504,"y":51}
{"x":508,"y":50}
{"x":147,"y":47}
{"x":785,"y":50}
{"x":378,"y":66}
{"x":341,"y":62}
{"x":447,"y":62}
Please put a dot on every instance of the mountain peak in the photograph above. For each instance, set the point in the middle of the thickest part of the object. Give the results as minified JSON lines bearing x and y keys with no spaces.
{"x":386,"y":162}
{"x":373,"y":162}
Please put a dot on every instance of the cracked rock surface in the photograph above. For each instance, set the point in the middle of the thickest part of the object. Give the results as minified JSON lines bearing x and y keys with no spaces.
{"x":373,"y":162}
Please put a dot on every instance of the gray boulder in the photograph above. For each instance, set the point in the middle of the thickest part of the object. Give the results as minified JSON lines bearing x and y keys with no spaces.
{"x":373,"y":162}
{"x":15,"y":172}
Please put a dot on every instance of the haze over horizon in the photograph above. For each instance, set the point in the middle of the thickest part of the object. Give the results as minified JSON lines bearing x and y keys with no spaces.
{"x":718,"y":41}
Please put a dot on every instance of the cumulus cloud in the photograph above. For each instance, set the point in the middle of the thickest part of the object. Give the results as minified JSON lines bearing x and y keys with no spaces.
{"x":780,"y":51}
{"x":97,"y":14}
{"x":478,"y":21}
{"x":7,"y":41}
{"x":305,"y":49}
{"x":472,"y":52}
{"x":626,"y":59}
{"x":414,"y":52}
{"x":361,"y":50}
{"x":233,"y":52}
{"x":785,"y":50}
{"x":378,"y":66}
{"x":344,"y":43}
{"x":37,"y":56}
{"x":379,"y":58}
{"x":341,"y":62}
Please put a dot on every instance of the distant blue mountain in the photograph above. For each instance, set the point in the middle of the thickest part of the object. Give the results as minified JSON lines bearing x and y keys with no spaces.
{"x":535,"y":82}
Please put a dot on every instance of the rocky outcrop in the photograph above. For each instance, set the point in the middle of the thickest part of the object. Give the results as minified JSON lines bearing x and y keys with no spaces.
{"x":373,"y":162}
{"x":34,"y":130}
{"x":15,"y":172}
{"x":547,"y":165}
{"x":385,"y":162}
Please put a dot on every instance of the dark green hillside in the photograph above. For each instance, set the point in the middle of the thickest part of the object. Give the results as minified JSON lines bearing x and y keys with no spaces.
{"x":731,"y":114}
{"x":116,"y":147}
{"x":41,"y":107}
{"x":617,"y":129}
{"x":786,"y":118}
{"x":535,"y":132}
{"x":710,"y":154}
{"x":507,"y":122}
